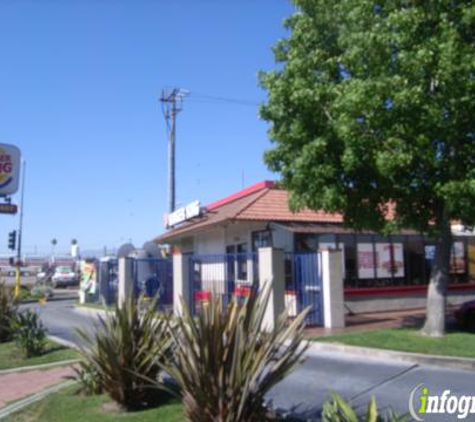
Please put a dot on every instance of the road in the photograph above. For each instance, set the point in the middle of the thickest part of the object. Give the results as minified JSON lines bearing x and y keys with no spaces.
{"x":311,"y":383}
{"x":62,"y":320}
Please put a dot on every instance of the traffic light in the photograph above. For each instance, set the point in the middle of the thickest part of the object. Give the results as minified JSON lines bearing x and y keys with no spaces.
{"x":12,"y":240}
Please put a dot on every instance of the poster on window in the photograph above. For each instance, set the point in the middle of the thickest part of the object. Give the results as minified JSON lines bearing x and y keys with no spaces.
{"x":457,"y":259}
{"x":385,"y":261}
{"x":389,"y":260}
{"x":366,"y":264}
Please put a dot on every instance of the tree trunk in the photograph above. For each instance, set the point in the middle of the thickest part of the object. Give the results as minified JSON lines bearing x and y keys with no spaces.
{"x":434,"y":325}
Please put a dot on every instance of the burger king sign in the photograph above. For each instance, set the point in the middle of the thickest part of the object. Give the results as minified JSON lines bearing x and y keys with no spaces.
{"x":9,"y":169}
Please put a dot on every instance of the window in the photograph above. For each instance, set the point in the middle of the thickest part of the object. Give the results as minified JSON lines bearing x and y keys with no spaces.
{"x":237,"y":261}
{"x":349,"y":248}
{"x":305,"y":242}
{"x":261,"y":239}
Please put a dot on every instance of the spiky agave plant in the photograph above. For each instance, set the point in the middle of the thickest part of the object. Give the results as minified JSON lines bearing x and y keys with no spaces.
{"x":225,"y":362}
{"x":339,"y":410}
{"x":124,"y":355}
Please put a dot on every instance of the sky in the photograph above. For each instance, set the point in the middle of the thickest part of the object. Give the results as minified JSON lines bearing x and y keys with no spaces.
{"x":79,"y":87}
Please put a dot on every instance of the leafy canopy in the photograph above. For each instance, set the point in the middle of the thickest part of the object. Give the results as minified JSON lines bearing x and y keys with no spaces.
{"x":373,"y":103}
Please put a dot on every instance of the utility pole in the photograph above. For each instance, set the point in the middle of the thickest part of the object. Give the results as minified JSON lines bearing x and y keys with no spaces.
{"x":172,"y":104}
{"x":20,"y":233}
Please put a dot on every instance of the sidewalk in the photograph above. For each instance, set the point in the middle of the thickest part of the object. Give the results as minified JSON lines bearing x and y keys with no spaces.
{"x":17,"y":385}
{"x":413,"y":318}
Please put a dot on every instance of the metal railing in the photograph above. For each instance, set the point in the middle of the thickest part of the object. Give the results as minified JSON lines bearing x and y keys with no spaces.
{"x":109,"y":281}
{"x":231,"y":274}
{"x":152,"y":276}
{"x":303,"y":279}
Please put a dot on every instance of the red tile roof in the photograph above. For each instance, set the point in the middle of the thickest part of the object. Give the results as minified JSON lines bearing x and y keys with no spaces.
{"x":273,"y":205}
{"x":260,"y":202}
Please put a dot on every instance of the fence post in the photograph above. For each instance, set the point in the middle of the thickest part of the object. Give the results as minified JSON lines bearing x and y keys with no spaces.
{"x":333,"y":292}
{"x":126,"y":282}
{"x":272,"y":271}
{"x":181,"y":282}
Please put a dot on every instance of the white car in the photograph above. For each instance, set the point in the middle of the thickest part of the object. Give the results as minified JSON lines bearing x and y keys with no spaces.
{"x":64,"y":276}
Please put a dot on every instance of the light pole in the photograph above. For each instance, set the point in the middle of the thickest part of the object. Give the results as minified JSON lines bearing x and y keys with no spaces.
{"x":54,"y":242}
{"x":20,"y":232}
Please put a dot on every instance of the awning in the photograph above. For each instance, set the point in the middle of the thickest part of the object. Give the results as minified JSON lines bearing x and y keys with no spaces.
{"x":328,"y":228}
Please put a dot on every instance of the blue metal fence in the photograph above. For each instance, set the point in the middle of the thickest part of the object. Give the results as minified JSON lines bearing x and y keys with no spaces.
{"x":153,"y":276}
{"x":231,"y":274}
{"x":304,"y":285}
{"x":108,"y":280}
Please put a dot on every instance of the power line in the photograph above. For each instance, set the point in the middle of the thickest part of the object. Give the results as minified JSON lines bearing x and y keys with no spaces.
{"x":196,"y":97}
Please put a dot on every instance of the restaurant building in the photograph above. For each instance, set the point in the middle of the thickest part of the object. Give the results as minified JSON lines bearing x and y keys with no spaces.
{"x":380,"y":273}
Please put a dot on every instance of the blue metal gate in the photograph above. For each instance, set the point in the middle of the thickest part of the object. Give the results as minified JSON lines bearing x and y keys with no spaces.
{"x":306,"y":283}
{"x":231,"y":274}
{"x":153,"y":276}
{"x":108,"y":280}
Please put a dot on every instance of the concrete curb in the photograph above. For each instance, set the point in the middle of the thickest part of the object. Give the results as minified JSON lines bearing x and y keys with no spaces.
{"x":419,"y":358}
{"x":22,"y":403}
{"x":85,"y":310}
{"x":65,"y":343}
{"x":50,"y":299}
{"x":39,"y":367}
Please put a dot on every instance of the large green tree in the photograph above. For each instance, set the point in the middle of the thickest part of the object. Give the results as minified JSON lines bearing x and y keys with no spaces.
{"x":371,"y":106}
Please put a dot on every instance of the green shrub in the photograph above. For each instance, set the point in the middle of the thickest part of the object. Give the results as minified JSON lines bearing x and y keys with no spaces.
{"x":8,"y":310}
{"x":123,"y":356}
{"x":88,"y":378}
{"x":339,"y":410}
{"x":225,"y":363}
{"x":29,"y":333}
{"x":41,"y":292}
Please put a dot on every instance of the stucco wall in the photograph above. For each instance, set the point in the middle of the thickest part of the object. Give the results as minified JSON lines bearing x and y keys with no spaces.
{"x":210,"y":242}
{"x":215,"y":241}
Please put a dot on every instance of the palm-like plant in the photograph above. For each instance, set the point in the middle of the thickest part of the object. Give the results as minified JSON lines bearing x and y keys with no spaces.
{"x":339,"y":410}
{"x":225,"y":362}
{"x":125,"y":353}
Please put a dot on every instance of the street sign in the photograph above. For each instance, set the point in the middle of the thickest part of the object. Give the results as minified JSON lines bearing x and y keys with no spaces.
{"x":9,"y":169}
{"x":8,"y":209}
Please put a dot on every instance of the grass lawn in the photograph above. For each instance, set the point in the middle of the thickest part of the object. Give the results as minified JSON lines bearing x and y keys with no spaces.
{"x":66,"y":405}
{"x":10,"y":357}
{"x":409,"y":340}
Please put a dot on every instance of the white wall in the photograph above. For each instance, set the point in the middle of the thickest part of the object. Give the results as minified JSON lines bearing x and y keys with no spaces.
{"x":241,"y":232}
{"x":213,"y":272}
{"x":215,"y":240}
{"x":210,"y":242}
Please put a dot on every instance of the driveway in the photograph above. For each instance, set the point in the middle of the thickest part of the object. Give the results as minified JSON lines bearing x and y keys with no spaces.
{"x":303,"y":392}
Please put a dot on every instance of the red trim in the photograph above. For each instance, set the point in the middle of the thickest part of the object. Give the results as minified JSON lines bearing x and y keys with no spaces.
{"x":400,"y":290}
{"x":242,"y":193}
{"x":242,"y":291}
{"x":202,"y":296}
